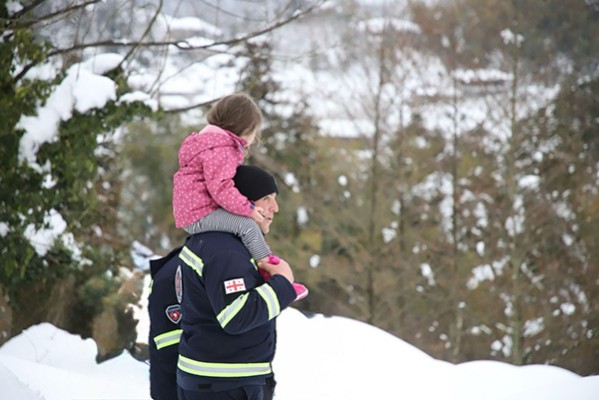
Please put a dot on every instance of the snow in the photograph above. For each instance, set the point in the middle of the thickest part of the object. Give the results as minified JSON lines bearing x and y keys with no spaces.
{"x":378,"y":26}
{"x":302,"y":216}
{"x":83,"y":89}
{"x":482,"y":75}
{"x":529,"y":181}
{"x":480,"y":274}
{"x":510,"y":37}
{"x":101,"y":88}
{"x":314,"y":261}
{"x":4,"y":229}
{"x":13,"y":7}
{"x":191,"y":24}
{"x":292,"y":182}
{"x":141,"y":97}
{"x":427,"y":272}
{"x":533,"y":327}
{"x":43,"y":239}
{"x":340,"y":358}
{"x":388,"y":234}
{"x":102,"y":63}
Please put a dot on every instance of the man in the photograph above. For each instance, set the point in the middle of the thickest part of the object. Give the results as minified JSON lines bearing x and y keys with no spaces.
{"x":165,"y":316}
{"x":228,"y":323}
{"x":229,"y":333}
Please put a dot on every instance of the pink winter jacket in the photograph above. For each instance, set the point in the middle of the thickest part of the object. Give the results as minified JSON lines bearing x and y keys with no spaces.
{"x":208,"y":161}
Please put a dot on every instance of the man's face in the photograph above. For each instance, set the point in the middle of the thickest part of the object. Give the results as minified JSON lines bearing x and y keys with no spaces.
{"x":270,"y":206}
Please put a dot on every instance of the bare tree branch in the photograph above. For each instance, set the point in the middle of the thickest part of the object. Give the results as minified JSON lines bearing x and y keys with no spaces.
{"x":191,"y":107}
{"x":146,"y":32}
{"x":28,"y":23}
{"x":180,"y":44}
{"x":229,"y":13}
{"x":27,"y":8}
{"x":183,"y":44}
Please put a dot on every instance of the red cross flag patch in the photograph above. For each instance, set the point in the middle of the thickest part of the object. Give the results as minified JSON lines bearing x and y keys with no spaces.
{"x":234,"y":286}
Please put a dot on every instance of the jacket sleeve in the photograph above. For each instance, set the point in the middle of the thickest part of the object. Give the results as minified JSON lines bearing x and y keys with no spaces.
{"x":250,"y":302}
{"x":164,"y":332}
{"x":220,"y":165}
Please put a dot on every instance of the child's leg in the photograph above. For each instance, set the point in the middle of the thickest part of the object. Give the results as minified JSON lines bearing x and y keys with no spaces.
{"x":251,"y":236}
{"x":244,"y":227}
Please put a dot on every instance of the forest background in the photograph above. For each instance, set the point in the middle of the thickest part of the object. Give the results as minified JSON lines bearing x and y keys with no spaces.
{"x":438,"y":162}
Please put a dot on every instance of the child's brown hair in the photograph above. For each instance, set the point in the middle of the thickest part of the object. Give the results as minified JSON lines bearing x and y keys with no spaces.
{"x":237,"y":113}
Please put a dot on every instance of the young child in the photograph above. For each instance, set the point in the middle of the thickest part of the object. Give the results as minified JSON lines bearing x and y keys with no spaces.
{"x":204,"y":194}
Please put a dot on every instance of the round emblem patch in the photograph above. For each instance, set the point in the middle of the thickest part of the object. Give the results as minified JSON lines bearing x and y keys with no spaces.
{"x":173,"y":313}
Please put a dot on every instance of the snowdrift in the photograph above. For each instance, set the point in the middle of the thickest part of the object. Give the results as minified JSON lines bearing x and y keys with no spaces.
{"x":319,"y":358}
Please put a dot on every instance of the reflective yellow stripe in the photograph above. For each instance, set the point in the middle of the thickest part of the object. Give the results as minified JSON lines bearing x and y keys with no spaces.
{"x":168,"y":338}
{"x":232,"y":310}
{"x":150,"y":286}
{"x":189,"y":258}
{"x":271,"y":299}
{"x":222,"y":369}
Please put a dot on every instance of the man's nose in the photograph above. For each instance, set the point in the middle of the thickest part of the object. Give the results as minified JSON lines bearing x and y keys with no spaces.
{"x":275,"y":206}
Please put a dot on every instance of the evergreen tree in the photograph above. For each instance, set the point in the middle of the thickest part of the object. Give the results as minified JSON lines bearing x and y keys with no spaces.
{"x":64,"y":188}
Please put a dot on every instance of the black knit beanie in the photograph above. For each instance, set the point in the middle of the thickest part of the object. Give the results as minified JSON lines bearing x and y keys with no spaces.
{"x":254,"y":183}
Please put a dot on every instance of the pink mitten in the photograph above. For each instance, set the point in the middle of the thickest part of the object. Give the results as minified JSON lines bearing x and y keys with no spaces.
{"x":274,"y":260}
{"x":300,"y":290}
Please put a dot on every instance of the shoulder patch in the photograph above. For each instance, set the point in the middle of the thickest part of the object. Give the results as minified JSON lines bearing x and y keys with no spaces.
{"x":173,"y":313}
{"x":234,"y":285}
{"x":179,"y":284}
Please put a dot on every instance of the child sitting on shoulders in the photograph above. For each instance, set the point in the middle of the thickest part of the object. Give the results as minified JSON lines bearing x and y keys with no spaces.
{"x":204,"y":195}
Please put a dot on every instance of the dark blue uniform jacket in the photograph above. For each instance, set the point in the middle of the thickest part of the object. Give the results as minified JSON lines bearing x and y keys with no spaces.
{"x":229,"y":332}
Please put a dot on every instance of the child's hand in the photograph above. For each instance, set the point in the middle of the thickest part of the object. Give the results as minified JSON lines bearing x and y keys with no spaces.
{"x":281,"y":268}
{"x":257,"y":214}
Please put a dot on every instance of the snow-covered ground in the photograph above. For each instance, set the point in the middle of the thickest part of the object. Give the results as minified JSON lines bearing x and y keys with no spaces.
{"x":319,"y":358}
